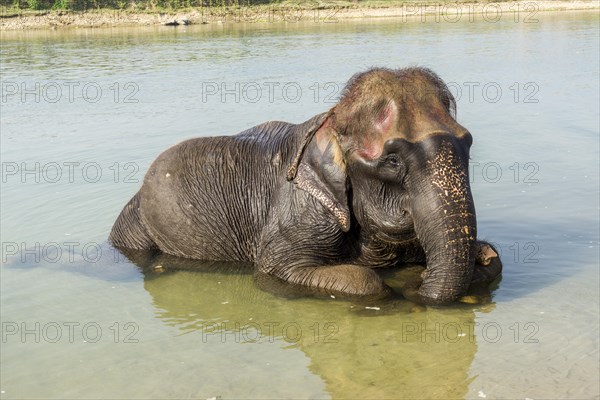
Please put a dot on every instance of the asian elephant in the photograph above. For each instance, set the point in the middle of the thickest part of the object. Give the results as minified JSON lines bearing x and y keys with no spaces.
{"x":381,"y":179}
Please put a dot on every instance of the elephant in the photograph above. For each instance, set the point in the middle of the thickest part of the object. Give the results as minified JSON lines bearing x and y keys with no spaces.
{"x":380,"y":179}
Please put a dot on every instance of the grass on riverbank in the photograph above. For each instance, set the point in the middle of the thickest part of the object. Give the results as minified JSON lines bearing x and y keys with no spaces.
{"x":9,"y":8}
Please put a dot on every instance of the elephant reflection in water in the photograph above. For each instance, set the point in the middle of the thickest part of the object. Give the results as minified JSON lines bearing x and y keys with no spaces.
{"x":387,"y":348}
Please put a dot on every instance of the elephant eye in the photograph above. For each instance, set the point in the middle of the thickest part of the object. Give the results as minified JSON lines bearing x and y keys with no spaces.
{"x":391,"y":168}
{"x":392,"y":160}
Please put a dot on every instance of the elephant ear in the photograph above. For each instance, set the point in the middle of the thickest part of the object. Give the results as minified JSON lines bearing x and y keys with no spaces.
{"x":319,"y":170}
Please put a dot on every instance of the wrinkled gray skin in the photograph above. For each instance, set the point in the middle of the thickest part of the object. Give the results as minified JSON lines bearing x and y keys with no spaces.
{"x":379,"y":180}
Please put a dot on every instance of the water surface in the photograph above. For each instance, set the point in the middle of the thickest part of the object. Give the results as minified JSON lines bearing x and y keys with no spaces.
{"x":107,"y":329}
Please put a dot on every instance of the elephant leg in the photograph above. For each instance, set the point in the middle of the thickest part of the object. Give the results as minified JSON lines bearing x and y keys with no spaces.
{"x":345,"y":281}
{"x":128,"y":231}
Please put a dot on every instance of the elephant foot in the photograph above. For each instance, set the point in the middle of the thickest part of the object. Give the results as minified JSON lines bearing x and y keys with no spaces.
{"x":485,"y":253}
{"x":488,"y":266}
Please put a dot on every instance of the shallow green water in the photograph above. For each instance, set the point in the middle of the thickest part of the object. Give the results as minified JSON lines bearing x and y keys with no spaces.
{"x":107,"y":330}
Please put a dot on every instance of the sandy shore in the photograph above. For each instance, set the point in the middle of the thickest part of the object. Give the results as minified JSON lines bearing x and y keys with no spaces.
{"x":301,"y":10}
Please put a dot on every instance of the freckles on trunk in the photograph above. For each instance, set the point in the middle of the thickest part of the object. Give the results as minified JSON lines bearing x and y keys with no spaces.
{"x":446,"y":227}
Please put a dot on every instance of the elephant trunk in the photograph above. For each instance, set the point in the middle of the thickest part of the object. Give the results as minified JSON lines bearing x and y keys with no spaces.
{"x":445,"y":223}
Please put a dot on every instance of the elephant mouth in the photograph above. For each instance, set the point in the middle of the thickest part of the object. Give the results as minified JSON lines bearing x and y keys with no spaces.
{"x":395,"y":239}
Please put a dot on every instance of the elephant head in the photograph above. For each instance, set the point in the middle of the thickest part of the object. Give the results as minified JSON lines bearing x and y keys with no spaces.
{"x":391,"y":157}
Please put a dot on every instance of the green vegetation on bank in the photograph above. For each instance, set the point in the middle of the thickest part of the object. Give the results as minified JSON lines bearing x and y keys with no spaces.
{"x":133,"y":5}
{"x":24,"y":6}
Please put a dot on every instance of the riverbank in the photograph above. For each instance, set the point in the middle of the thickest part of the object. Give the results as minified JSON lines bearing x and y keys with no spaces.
{"x":300,"y":10}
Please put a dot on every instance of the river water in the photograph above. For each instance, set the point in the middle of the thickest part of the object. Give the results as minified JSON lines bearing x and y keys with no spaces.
{"x":85,"y":111}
